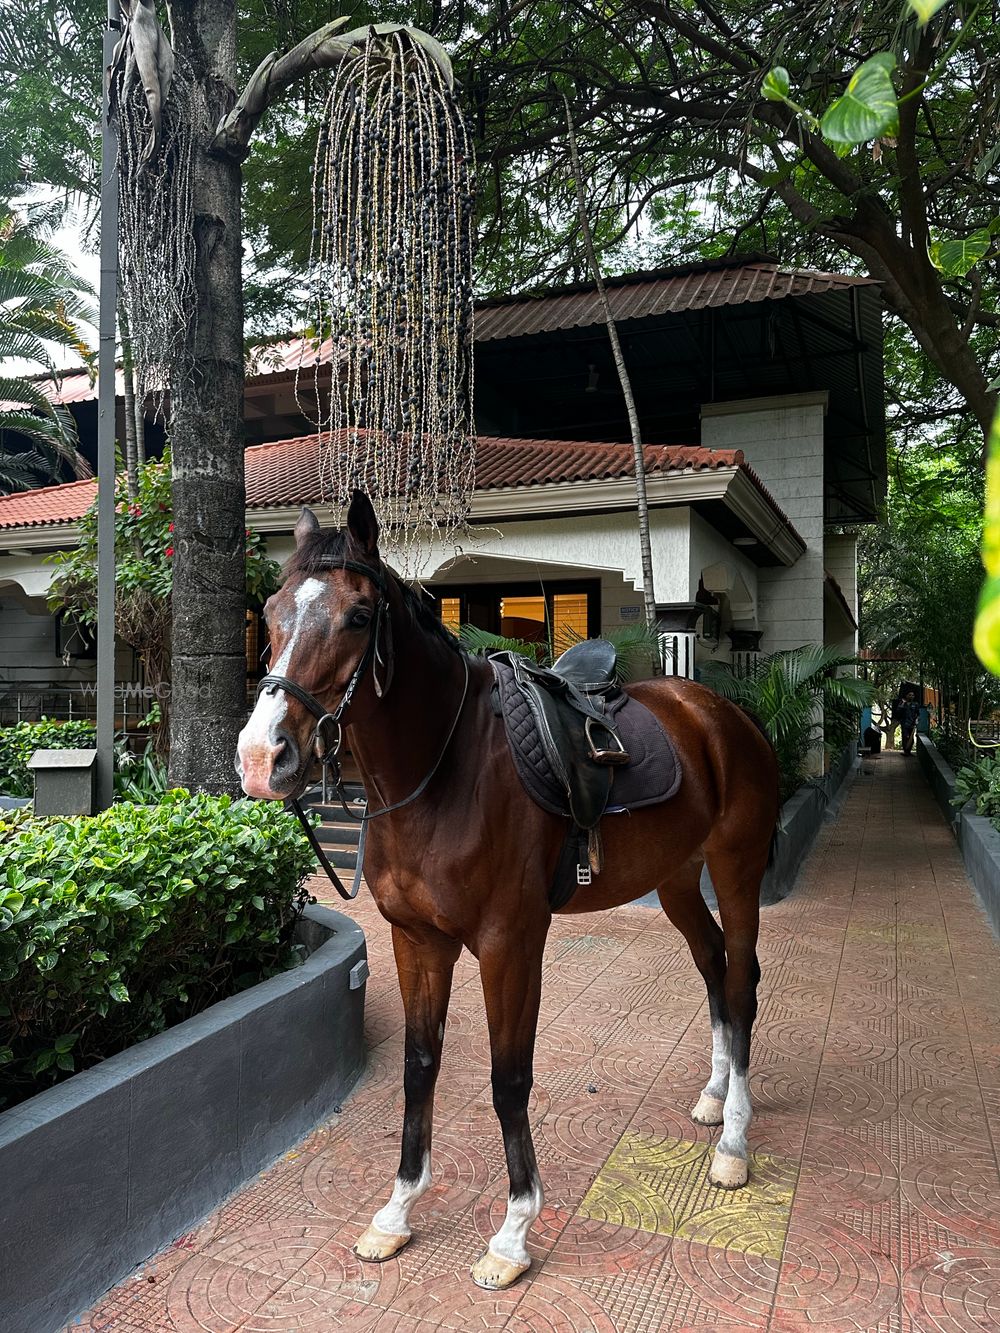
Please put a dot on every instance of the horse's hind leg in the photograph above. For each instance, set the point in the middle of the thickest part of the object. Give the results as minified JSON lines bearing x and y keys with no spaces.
{"x":681,"y":899}
{"x":511,"y":968}
{"x":736,"y":874}
{"x":425,"y":971}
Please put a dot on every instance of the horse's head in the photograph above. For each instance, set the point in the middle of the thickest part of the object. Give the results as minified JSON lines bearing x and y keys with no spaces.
{"x":322,"y":624}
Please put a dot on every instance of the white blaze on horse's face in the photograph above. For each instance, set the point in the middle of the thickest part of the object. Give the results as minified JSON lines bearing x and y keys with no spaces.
{"x":261,"y":741}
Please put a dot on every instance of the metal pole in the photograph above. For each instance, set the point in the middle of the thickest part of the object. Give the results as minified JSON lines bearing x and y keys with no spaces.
{"x":106,"y":433}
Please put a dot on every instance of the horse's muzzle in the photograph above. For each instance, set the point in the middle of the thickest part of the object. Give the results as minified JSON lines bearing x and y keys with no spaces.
{"x":270,"y":771}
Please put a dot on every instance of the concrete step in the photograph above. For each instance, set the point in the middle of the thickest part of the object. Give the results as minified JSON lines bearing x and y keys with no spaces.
{"x":339,"y":835}
{"x":339,"y":859}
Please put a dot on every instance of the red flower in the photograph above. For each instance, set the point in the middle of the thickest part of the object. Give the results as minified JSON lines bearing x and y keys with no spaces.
{"x":136,"y":510}
{"x":169,"y":550}
{"x":170,"y":527}
{"x":248,"y":532}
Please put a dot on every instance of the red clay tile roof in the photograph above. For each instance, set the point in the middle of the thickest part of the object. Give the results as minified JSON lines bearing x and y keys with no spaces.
{"x":48,"y":506}
{"x":286,"y":473}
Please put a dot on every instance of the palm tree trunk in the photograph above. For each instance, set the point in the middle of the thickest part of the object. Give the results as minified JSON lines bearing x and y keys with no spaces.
{"x":131,"y":454}
{"x":642,"y":506}
{"x":208,"y":670}
{"x":140,"y":431}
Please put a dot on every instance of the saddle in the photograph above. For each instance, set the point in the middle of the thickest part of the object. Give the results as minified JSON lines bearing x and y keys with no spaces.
{"x":582,"y":747}
{"x":566,"y":707}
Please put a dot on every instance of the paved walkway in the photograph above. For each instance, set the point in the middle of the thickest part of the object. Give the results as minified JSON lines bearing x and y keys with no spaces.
{"x":875,"y":1201}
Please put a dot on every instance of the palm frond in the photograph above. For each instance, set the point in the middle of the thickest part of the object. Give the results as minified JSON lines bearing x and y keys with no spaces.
{"x":481,"y":643}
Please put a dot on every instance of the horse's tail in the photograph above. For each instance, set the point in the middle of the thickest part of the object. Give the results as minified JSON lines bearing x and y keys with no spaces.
{"x":772,"y":849}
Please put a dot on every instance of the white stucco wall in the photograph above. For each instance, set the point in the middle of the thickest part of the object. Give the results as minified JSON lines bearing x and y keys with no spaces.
{"x":582,"y":544}
{"x":783,"y":442}
{"x":841,"y":561}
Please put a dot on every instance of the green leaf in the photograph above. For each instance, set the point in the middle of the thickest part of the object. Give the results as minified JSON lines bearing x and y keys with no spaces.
{"x":67,"y":1042}
{"x":925,"y":9}
{"x":776,"y":85}
{"x":66,"y":1061}
{"x":118,"y":992}
{"x":868,"y":108}
{"x":6,"y":1055}
{"x":954,"y":258}
{"x":258,"y":902}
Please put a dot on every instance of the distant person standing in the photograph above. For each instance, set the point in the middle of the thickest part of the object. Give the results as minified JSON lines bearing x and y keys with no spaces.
{"x":909,"y":711}
{"x":892,"y":720}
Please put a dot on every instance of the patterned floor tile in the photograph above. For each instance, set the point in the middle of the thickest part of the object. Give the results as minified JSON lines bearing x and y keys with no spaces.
{"x":874,"y":1201}
{"x":661,"y":1185}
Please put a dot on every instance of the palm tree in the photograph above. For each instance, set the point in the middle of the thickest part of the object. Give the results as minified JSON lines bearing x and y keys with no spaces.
{"x":784,"y":692}
{"x":43,"y":303}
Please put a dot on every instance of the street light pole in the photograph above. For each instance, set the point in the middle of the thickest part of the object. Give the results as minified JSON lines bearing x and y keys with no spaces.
{"x":108,"y":300}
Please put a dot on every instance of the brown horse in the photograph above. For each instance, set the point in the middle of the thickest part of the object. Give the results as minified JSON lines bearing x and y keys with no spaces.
{"x":469,"y":860}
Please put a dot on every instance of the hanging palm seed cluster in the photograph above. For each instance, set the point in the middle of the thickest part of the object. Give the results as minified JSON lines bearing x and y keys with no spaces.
{"x":156,"y":219}
{"x":391,"y":281}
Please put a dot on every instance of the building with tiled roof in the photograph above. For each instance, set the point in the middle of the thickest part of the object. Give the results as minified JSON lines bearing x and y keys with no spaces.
{"x":759,"y":386}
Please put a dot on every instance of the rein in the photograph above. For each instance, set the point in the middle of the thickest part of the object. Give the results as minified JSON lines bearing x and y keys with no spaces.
{"x":328,"y":753}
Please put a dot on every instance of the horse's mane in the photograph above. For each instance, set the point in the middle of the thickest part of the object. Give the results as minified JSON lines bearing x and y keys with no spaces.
{"x":323,"y":551}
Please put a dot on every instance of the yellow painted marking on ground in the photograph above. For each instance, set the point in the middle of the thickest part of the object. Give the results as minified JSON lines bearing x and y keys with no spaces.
{"x":661,"y":1185}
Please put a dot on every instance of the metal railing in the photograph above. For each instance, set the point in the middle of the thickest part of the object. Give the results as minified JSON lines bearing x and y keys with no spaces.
{"x":28,"y":701}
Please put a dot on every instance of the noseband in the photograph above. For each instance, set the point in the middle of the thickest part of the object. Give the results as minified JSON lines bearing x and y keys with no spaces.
{"x":328,"y":752}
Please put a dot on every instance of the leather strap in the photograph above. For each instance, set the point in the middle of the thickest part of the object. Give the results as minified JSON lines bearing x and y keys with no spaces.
{"x":365,"y":819}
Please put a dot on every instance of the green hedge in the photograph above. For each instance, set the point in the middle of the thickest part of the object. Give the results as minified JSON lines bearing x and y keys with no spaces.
{"x":114,"y":927}
{"x":19,"y":743}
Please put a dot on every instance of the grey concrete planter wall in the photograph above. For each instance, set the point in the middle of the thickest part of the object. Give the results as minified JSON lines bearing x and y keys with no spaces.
{"x":101,"y":1171}
{"x":980,"y":844}
{"x":978,"y":839}
{"x":940,"y":777}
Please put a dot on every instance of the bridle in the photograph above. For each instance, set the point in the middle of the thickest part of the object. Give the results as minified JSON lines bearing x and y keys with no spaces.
{"x":378,"y":655}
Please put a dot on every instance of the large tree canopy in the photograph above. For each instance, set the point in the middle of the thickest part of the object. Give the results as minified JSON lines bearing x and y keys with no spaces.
{"x":683,"y":155}
{"x":681,"y":152}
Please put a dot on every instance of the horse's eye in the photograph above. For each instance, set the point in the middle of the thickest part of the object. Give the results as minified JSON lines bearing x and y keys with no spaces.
{"x":359,"y":618}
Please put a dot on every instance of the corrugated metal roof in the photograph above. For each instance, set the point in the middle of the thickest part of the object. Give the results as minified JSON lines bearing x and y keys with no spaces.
{"x":643,"y":296}
{"x":633,"y":296}
{"x":287,"y":473}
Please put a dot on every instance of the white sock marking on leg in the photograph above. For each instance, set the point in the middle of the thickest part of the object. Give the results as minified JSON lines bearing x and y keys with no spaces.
{"x":718,"y":1084}
{"x":510,"y":1240}
{"x":737,"y":1114}
{"x":394,"y":1218}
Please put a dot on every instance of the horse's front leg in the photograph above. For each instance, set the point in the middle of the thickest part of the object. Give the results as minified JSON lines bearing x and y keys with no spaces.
{"x":425,"y":965}
{"x":511,"y":970}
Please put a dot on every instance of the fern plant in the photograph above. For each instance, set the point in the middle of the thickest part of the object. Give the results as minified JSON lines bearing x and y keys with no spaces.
{"x":635,"y":645}
{"x":784,"y":691}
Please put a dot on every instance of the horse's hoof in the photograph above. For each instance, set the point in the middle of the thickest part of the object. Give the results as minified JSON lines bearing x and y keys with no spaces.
{"x":708,"y":1110}
{"x":375,"y":1246}
{"x":729,"y":1173}
{"x":495,"y":1273}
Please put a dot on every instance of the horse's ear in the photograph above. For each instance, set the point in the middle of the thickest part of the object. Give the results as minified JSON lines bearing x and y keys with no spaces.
{"x":306,"y":527}
{"x":362,"y":524}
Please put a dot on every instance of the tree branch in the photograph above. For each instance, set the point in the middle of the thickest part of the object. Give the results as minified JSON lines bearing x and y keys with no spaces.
{"x":323,"y":49}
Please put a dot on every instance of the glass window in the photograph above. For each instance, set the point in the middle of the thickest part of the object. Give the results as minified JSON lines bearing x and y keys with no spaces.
{"x":523,"y":618}
{"x":569,"y":618}
{"x":451,"y":613}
